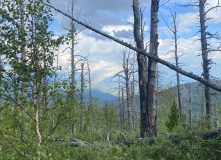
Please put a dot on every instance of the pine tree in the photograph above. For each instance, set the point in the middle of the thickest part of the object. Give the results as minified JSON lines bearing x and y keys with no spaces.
{"x":173,"y":117}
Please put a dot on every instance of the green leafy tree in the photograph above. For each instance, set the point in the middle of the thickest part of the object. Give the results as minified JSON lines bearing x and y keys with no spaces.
{"x":28,"y":47}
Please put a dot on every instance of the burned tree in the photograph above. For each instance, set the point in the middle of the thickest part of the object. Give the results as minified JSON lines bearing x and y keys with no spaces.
{"x":173,"y":32}
{"x":152,"y":64}
{"x":142,"y":67}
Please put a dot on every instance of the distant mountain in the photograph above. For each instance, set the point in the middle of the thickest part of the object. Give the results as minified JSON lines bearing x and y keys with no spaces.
{"x":102,"y":96}
{"x":197,"y":93}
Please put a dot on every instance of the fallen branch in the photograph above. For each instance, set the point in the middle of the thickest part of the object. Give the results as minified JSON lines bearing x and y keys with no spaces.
{"x":171,"y":66}
{"x":108,"y":140}
{"x":140,"y":141}
{"x":76,"y":142}
{"x":125,"y":138}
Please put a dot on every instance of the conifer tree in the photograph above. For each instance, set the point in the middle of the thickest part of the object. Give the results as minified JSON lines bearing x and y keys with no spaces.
{"x":173,"y":117}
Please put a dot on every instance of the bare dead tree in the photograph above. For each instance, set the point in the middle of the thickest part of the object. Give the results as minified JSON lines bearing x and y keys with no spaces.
{"x":202,"y":107}
{"x":142,"y":67}
{"x":74,"y":13}
{"x":190,"y":106}
{"x":173,"y":32}
{"x":157,"y":89}
{"x":127,"y":77}
{"x":205,"y":47}
{"x":119,"y":103}
{"x":72,"y":31}
{"x":82,"y":97}
{"x":133,"y":107}
{"x":151,"y":87}
{"x":89,"y":82}
{"x":123,"y":105}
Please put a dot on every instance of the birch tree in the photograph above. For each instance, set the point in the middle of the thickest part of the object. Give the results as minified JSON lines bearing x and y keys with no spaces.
{"x":27,"y":35}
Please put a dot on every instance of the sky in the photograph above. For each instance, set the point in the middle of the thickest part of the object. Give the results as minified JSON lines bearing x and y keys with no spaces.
{"x":115,"y":17}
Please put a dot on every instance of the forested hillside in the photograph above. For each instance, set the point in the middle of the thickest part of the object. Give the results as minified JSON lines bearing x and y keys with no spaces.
{"x":57,"y":69}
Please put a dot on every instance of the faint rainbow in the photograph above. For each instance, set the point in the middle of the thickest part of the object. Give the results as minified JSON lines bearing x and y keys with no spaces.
{"x":106,"y":76}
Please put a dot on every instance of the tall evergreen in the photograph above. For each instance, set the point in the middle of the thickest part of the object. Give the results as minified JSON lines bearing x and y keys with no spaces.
{"x":173,"y":117}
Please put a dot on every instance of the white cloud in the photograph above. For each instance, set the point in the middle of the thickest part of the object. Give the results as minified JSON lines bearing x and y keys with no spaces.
{"x":116,"y":28}
{"x":105,"y":67}
{"x":186,"y":21}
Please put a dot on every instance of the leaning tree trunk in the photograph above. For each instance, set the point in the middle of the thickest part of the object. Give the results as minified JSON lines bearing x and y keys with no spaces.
{"x":141,"y":69}
{"x":152,"y":117}
{"x":204,"y":48}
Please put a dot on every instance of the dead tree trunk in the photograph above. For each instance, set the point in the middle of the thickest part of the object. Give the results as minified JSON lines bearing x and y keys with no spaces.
{"x":126,"y":72}
{"x":190,"y":107}
{"x":152,"y":117}
{"x":202,"y":107}
{"x":123,"y":108}
{"x":142,"y":67}
{"x":82,"y":97}
{"x":120,"y":106}
{"x":0,"y":79}
{"x":216,"y":121}
{"x":175,"y":25}
{"x":0,"y":65}
{"x":89,"y":81}
{"x":204,"y":48}
{"x":72,"y":50}
{"x":157,"y":90}
{"x":133,"y":110}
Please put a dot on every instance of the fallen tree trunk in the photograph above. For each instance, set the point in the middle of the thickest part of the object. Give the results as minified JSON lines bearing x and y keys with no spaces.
{"x":171,"y":66}
{"x":73,"y":142}
{"x":76,"y":142}
{"x":140,"y":141}
{"x":174,"y":138}
{"x":213,"y":134}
